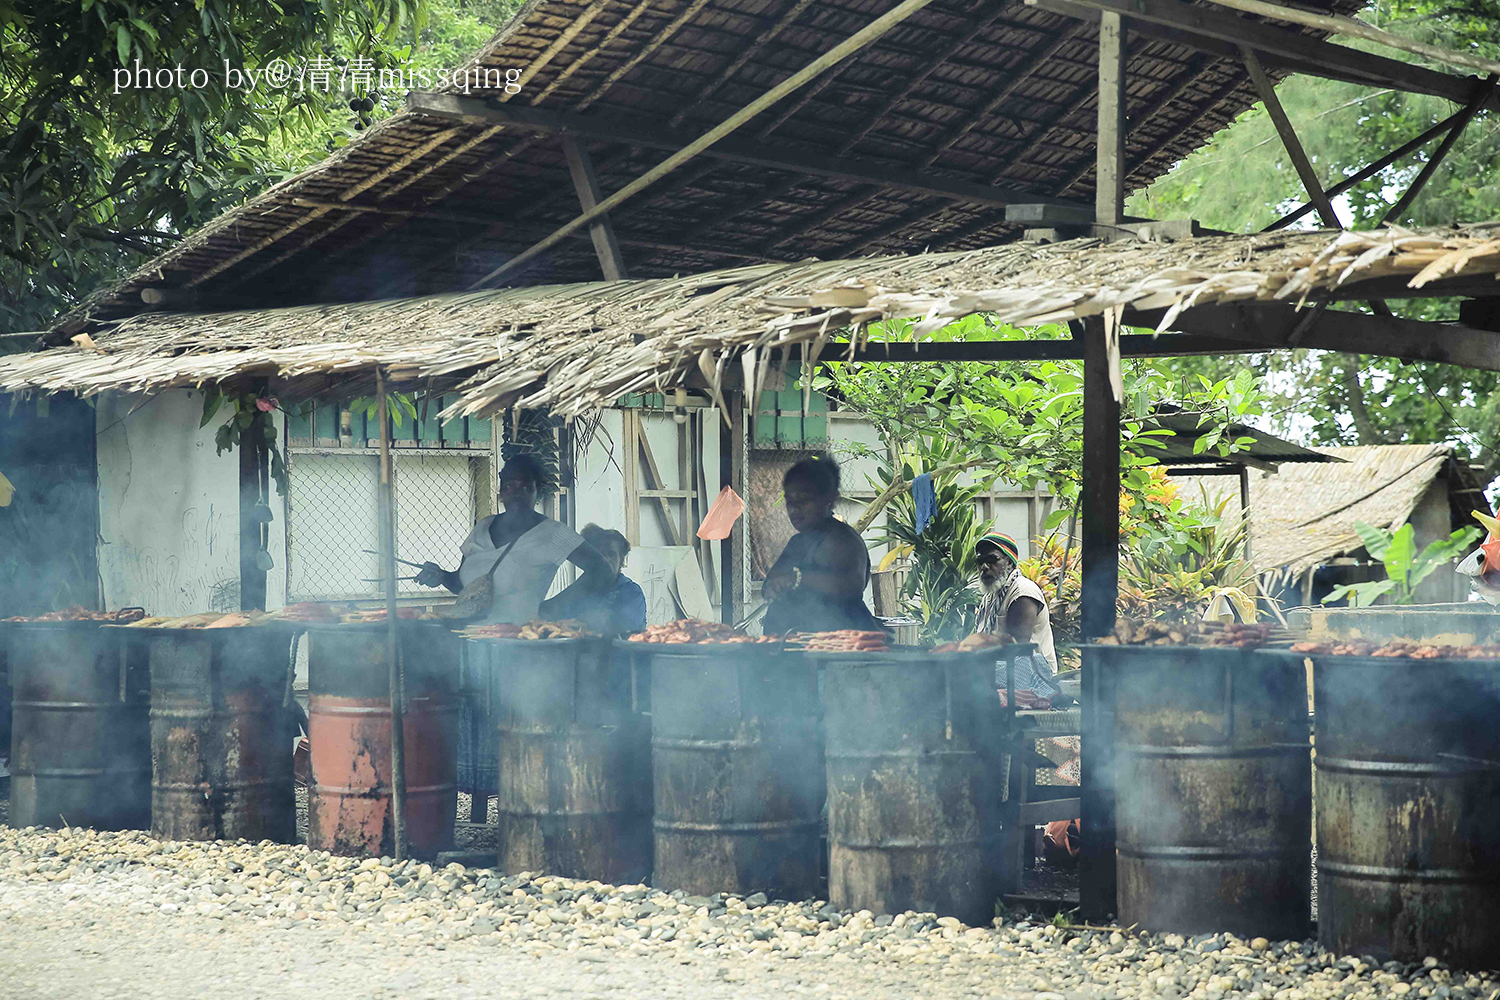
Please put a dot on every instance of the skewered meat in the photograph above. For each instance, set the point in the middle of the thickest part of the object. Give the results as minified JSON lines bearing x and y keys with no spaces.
{"x":504,"y":630}
{"x":845,"y":641}
{"x":1240,"y":636}
{"x":308,"y":611}
{"x":537,"y":630}
{"x":1398,"y":648}
{"x":689,"y":630}
{"x":378,"y":615}
{"x":77,"y":613}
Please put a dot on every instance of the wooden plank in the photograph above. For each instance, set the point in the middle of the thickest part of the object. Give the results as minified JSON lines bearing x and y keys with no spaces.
{"x":765,"y":420}
{"x":1109,"y":173}
{"x":581,"y":168}
{"x":815,"y":421}
{"x":299,"y":425}
{"x":1267,"y":91}
{"x":1100,"y":508}
{"x":1207,"y":30}
{"x":653,"y":133}
{"x":630,"y":421}
{"x":1436,"y":159}
{"x":1359,"y":29}
{"x":789,"y":416}
{"x":653,"y":479}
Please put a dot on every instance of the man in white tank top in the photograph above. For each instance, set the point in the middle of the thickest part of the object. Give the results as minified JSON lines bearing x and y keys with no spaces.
{"x":1013,"y":605}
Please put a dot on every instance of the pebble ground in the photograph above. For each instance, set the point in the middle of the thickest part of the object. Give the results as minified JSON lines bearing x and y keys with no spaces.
{"x":104,"y":915}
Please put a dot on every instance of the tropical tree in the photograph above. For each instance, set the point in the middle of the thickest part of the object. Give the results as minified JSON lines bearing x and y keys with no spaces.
{"x":1242,"y":181}
{"x":125,"y":124}
{"x":971,"y":424}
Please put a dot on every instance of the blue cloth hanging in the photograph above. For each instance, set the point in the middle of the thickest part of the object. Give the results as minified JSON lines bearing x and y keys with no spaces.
{"x":925,"y":497}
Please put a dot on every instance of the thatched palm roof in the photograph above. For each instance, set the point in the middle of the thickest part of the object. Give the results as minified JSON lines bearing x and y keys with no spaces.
{"x":985,"y":92}
{"x":1305,"y":515}
{"x":576,"y":348}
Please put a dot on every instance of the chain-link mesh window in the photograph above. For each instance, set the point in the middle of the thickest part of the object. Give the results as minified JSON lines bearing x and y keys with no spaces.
{"x":332,"y":517}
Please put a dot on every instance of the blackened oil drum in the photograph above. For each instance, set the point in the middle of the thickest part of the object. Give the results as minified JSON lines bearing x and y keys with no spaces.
{"x":80,"y":746}
{"x":1213,"y":789}
{"x":1408,"y":807}
{"x":573,"y":762}
{"x":737,"y":769}
{"x":220,"y":739}
{"x":916,"y":776}
{"x":349,"y":809}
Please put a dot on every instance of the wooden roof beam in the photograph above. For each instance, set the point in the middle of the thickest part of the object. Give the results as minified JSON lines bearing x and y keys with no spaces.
{"x":1066,"y":349}
{"x":1222,"y":33}
{"x":1275,"y":327}
{"x":633,"y":130}
{"x":1289,"y":141}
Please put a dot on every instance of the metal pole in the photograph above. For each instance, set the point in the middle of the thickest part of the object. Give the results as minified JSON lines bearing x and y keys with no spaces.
{"x":392,"y":653}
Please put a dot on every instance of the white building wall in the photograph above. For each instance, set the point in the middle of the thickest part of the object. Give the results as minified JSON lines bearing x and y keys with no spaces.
{"x":169,"y":509}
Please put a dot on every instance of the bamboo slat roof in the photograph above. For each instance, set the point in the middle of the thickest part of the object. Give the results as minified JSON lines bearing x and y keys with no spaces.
{"x":1305,"y":514}
{"x":576,"y":348}
{"x":993,"y":92}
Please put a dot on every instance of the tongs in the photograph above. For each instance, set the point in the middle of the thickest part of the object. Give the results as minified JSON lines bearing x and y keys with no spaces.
{"x":754,"y":615}
{"x":404,"y":562}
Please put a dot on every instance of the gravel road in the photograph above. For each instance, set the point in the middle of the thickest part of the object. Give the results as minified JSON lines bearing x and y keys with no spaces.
{"x":103,"y":915}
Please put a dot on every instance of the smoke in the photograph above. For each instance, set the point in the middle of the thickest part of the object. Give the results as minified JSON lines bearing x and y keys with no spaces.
{"x":48,"y":556}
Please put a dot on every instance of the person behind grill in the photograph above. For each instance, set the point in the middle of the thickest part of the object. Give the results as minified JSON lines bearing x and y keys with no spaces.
{"x":818,"y":583}
{"x":1015,"y":607}
{"x":520,"y":551}
{"x":620,"y":609}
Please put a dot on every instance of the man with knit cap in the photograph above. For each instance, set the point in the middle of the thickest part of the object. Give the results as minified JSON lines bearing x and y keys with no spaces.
{"x":1013,"y":605}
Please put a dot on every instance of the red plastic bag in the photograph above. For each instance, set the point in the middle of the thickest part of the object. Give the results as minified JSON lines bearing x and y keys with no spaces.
{"x":722,"y":513}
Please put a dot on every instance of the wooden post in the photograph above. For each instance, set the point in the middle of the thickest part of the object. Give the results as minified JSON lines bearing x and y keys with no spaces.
{"x":387,"y":514}
{"x":253,"y":465}
{"x":1109,"y":189}
{"x":1267,"y":92}
{"x":581,"y":166}
{"x":1100,"y":503}
{"x":731,"y":473}
{"x":1245,"y":505}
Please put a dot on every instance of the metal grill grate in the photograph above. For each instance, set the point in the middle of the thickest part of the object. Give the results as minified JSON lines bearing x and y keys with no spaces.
{"x":332,"y":516}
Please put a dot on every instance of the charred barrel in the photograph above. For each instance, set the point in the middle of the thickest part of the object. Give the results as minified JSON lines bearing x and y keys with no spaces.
{"x":220,"y":740}
{"x":916,"y":775}
{"x":1408,"y":808}
{"x":1213,"y":789}
{"x":349,"y":810}
{"x":737,"y":769}
{"x":572,"y":761}
{"x":80,"y":747}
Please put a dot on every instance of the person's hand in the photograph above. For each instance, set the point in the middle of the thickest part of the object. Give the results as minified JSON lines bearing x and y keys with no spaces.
{"x":778,"y":584}
{"x":431,"y":575}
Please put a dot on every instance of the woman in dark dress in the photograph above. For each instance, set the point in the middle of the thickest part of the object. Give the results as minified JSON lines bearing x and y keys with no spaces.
{"x":818,"y":584}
